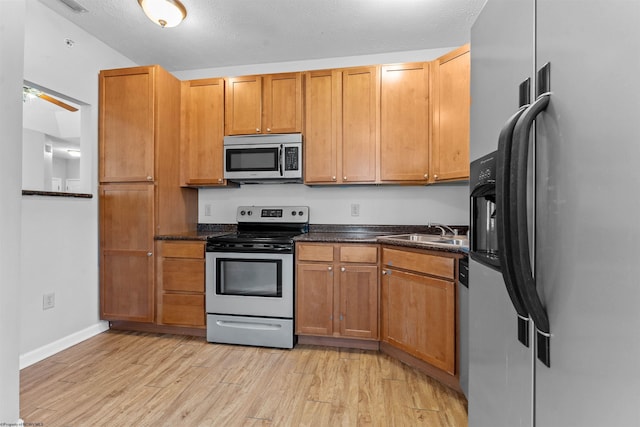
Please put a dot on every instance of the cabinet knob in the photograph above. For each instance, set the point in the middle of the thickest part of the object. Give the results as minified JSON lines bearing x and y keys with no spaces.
{"x":149,"y":178}
{"x":344,"y":178}
{"x":220,"y":180}
{"x":343,"y":269}
{"x":257,"y":130}
{"x":426,"y":176}
{"x":435,"y":177}
{"x":330,"y":268}
{"x":268,"y":129}
{"x":149,"y":253}
{"x":333,"y":178}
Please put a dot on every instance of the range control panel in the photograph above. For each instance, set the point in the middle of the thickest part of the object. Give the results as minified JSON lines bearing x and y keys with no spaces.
{"x":280,"y":214}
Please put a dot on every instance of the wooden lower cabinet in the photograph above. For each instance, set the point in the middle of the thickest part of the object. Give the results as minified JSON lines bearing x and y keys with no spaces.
{"x":419,"y":306}
{"x":181,"y":287}
{"x":126,"y":252}
{"x":337,"y":290}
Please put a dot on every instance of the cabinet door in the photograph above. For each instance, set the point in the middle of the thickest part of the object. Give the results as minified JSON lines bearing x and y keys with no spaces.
{"x":282,"y":103}
{"x":360,"y":103}
{"x":243,"y":105}
{"x":314,"y":297}
{"x":127,"y":261}
{"x":323,"y":111}
{"x":359,"y":301}
{"x":419,"y":317}
{"x":404,"y":122}
{"x":203,"y":132}
{"x":451,"y":113}
{"x":126,"y":124}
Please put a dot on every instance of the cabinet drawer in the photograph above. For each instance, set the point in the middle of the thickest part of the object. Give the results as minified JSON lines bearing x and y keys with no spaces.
{"x":422,"y":263}
{"x":183,"y":275}
{"x":183,"y":310}
{"x":307,"y":252}
{"x":183,"y":249}
{"x":364,"y":254}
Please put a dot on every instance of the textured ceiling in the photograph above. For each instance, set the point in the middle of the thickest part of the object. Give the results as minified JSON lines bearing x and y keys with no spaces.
{"x":218,"y":33}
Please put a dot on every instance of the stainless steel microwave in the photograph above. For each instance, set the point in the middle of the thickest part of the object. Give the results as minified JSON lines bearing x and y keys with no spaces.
{"x":263,"y":158}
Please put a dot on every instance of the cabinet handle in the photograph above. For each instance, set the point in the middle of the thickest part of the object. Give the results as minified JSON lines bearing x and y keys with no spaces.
{"x":330,"y":268}
{"x":149,"y":178}
{"x":341,"y":317}
{"x":149,"y":253}
{"x":343,"y":269}
{"x":386,"y":272}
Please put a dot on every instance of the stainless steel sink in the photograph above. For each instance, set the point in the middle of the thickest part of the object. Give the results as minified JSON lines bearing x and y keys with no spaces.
{"x":432,"y":239}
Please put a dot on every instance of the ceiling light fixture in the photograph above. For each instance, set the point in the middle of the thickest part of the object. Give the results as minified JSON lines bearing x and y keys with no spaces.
{"x":166,"y":13}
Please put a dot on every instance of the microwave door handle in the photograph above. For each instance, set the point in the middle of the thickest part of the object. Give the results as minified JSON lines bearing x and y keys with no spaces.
{"x":522,"y":259}
{"x":281,"y":159}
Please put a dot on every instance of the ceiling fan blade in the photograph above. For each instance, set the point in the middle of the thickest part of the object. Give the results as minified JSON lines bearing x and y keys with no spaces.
{"x":57,"y":102}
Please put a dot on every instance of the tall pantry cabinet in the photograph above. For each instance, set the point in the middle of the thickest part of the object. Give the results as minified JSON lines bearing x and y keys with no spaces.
{"x":140,"y":193}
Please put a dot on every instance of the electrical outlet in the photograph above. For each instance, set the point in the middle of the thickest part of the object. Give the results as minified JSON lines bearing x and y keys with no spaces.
{"x":207,"y":210}
{"x":48,"y":301}
{"x":355,"y":209}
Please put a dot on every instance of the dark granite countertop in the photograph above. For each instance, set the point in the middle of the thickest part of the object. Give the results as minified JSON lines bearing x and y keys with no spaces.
{"x":375,"y":234}
{"x":334,"y":233}
{"x":191,"y":235}
{"x":203,"y":232}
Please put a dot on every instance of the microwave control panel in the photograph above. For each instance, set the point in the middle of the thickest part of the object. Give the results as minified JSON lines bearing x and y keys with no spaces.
{"x":291,"y":159}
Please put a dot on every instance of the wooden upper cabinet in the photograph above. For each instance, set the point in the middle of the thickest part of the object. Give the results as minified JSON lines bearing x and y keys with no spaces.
{"x":263,"y":104}
{"x":126,"y":124}
{"x":404,"y":122}
{"x":243,"y":105}
{"x":360,"y":103}
{"x":451,"y":112}
{"x":282,"y":103}
{"x":323,"y":91}
{"x":202,"y":132}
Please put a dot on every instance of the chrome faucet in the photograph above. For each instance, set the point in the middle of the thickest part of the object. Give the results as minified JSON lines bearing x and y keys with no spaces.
{"x":443,"y":228}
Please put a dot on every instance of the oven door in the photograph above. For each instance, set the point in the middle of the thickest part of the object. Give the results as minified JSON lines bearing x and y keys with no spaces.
{"x":249,"y":284}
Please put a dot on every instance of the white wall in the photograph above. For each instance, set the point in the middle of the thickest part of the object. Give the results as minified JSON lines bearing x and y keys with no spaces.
{"x":332,"y":205}
{"x":12,"y":15}
{"x":446,"y":203}
{"x":33,"y":160}
{"x":60,"y":235}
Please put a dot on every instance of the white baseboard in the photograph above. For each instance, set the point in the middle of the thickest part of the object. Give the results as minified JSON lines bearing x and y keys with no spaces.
{"x":45,"y":351}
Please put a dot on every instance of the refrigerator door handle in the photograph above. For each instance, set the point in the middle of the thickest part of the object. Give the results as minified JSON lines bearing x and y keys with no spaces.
{"x":504,"y":225}
{"x":518,"y":210}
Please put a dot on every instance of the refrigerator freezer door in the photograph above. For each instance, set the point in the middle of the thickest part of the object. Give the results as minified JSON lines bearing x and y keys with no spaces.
{"x":500,"y":367}
{"x":588,"y":199}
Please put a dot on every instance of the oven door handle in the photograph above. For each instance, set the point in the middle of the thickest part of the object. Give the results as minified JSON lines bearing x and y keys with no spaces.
{"x":249,"y":325}
{"x":281,"y":159}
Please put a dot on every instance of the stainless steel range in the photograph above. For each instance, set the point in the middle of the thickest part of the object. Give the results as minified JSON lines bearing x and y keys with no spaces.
{"x":250,"y":277}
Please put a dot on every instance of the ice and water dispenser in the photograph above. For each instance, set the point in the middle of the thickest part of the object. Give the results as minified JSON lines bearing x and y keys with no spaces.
{"x":483,"y":237}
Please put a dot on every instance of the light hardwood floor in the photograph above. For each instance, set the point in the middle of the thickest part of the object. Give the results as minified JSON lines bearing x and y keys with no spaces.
{"x":140,"y":379}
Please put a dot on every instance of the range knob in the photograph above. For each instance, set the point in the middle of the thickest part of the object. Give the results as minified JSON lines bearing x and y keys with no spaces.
{"x":242,"y":213}
{"x":300,"y":213}
{"x":293,"y":213}
{"x":249,"y":213}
